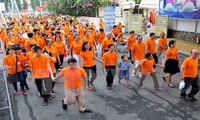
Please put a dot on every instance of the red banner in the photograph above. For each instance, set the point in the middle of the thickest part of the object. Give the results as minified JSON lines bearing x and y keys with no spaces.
{"x":42,"y":7}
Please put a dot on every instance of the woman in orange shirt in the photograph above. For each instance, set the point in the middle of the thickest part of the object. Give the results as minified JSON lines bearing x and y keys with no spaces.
{"x":110,"y":65}
{"x":75,"y":49}
{"x":9,"y":62}
{"x":146,"y":68}
{"x":70,"y":38}
{"x":88,"y":58}
{"x":171,"y":62}
{"x":60,"y":46}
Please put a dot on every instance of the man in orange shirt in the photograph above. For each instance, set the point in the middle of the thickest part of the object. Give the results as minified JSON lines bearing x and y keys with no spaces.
{"x":40,"y":63}
{"x":138,"y":51}
{"x":115,"y":32}
{"x":101,"y":24}
{"x":130,"y":41}
{"x":100,"y":37}
{"x":70,"y":38}
{"x":150,"y":47}
{"x":189,"y":73}
{"x":110,"y":65}
{"x":106,"y":42}
{"x":29,"y":42}
{"x":162,"y":46}
{"x":74,"y":92}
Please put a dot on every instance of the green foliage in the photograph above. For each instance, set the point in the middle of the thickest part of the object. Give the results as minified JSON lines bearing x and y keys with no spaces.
{"x":19,"y":4}
{"x":76,"y":7}
{"x":25,"y":4}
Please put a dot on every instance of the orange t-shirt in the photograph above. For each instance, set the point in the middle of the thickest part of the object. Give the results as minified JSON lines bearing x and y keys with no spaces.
{"x":70,"y":39}
{"x":115,"y":32}
{"x":88,"y":58}
{"x":29,"y":55}
{"x":51,"y":49}
{"x":106,"y":42}
{"x":67,"y":30}
{"x":101,"y":24}
{"x":190,"y":67}
{"x":151,"y":45}
{"x":162,"y":43}
{"x":39,"y":65}
{"x":60,"y":46}
{"x":11,"y":61}
{"x":100,"y":37}
{"x":172,"y":53}
{"x":73,"y":78}
{"x":42,"y":42}
{"x":76,"y":47}
{"x":28,"y":43}
{"x":147,"y":66}
{"x":81,"y":32}
{"x":138,"y":51}
{"x":131,"y":41}
{"x":90,"y":40}
{"x":110,"y":59}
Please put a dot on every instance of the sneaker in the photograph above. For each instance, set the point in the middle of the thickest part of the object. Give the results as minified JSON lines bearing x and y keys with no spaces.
{"x":109,"y":88}
{"x":184,"y":98}
{"x":192,"y":98}
{"x":45,"y":103}
{"x":53,"y":91}
{"x":24,"y":92}
{"x":133,"y":75}
{"x":64,"y":106}
{"x":16,"y":92}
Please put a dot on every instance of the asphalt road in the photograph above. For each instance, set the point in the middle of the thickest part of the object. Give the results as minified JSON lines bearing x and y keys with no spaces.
{"x":120,"y":103}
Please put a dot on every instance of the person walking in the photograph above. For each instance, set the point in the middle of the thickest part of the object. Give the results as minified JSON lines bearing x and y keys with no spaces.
{"x":189,"y":74}
{"x":110,"y":65}
{"x":162,"y":46}
{"x":150,"y":47}
{"x":10,"y":62}
{"x":146,"y":68}
{"x":88,"y":58}
{"x":171,"y":62}
{"x":40,"y":64}
{"x":130,"y":41}
{"x":73,"y":86}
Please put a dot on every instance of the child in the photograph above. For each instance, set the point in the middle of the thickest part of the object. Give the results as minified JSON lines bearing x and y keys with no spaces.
{"x":124,"y":67}
{"x":146,"y":67}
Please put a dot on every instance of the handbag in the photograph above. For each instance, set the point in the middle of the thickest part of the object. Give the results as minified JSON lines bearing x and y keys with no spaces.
{"x":11,"y":79}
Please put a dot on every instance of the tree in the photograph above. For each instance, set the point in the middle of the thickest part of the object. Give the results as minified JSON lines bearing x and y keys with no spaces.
{"x":136,"y":8}
{"x":76,"y":7}
{"x":19,"y":4}
{"x":25,"y":4}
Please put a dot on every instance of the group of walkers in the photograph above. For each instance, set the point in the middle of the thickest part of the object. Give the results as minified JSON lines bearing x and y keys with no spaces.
{"x":50,"y":39}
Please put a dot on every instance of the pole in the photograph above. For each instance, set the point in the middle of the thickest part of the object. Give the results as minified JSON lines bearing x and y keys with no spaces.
{"x":17,"y":9}
{"x":41,"y":6}
{"x":8,"y":96}
{"x":3,"y":19}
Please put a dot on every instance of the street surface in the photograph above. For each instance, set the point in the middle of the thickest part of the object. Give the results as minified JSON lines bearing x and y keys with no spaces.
{"x":120,"y":103}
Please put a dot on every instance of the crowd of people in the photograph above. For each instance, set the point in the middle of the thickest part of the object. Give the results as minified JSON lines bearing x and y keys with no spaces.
{"x":39,"y":46}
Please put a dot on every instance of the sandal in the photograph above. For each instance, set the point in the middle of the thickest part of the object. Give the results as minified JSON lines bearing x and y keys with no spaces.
{"x":171,"y":86}
{"x":86,"y":111}
{"x":50,"y":97}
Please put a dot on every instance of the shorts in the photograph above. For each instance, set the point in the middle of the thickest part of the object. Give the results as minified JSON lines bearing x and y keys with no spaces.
{"x":124,"y":74}
{"x":73,"y":96}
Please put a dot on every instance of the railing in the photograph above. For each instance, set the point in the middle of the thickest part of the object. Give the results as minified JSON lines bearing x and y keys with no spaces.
{"x":6,"y":112}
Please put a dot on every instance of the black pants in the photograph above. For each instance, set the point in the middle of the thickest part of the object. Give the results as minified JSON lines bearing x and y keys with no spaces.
{"x":57,"y":66}
{"x":44,"y":86}
{"x":195,"y":86}
{"x":111,"y":70}
{"x":155,"y":59}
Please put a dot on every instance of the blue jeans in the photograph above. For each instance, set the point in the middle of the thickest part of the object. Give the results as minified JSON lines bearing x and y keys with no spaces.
{"x":21,"y":80}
